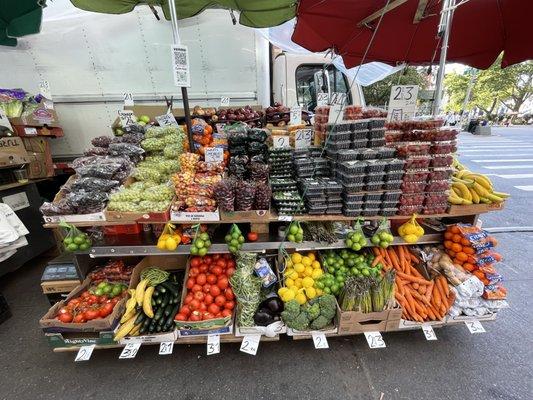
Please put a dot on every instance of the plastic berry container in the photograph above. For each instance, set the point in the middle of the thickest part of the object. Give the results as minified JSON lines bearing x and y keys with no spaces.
{"x":371,"y":196}
{"x":349,"y":188}
{"x":392,"y":185}
{"x":359,"y":144}
{"x":375,"y":166}
{"x":386,"y":152}
{"x":352,"y":167}
{"x":408,"y":149}
{"x":337,"y":145}
{"x":336,"y":210}
{"x":371,"y":204}
{"x":338,"y":137}
{"x":338,"y":127}
{"x":375,"y":134}
{"x":441,"y":161}
{"x":347,"y":155}
{"x":353,"y":205}
{"x":395,"y":164}
{"x":417,"y":162}
{"x":443,"y":134}
{"x":377,"y":123}
{"x":353,"y":198}
{"x":389,"y":204}
{"x":440,"y":174}
{"x":436,"y":198}
{"x":392,"y":196}
{"x":374,"y":177}
{"x":332,"y":187}
{"x":351,"y":213}
{"x":412,"y":199}
{"x":316,"y":209}
{"x":413,"y":187}
{"x":370,"y":212}
{"x":368,"y":154}
{"x":439,"y":208}
{"x":360,"y":134}
{"x":394,"y":176}
{"x":443,"y":147}
{"x":394,"y":136}
{"x":438,"y":186}
{"x":332,"y":154}
{"x":376,"y":142}
{"x":388,"y":211}
{"x":350,"y":179}
{"x":416,"y":175}
{"x":374,"y":186}
{"x":409,"y":210}
{"x":360,"y":124}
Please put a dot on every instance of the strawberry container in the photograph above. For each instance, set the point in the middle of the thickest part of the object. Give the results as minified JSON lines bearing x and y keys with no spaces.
{"x":443,"y":147}
{"x":407,"y":149}
{"x":417,"y":162}
{"x":393,"y":136}
{"x":416,"y":175}
{"x":440,"y":174}
{"x":443,"y":134}
{"x":417,"y":136}
{"x":409,"y":210}
{"x":412,"y":199}
{"x":413,"y":187}
{"x":437,"y":186}
{"x":435,"y":198}
{"x":441,"y":161}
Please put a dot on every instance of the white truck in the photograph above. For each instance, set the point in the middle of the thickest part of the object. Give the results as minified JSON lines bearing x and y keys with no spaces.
{"x":91,"y":60}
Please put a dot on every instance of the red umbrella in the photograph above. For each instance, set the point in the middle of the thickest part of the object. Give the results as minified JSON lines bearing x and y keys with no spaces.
{"x":480,"y":31}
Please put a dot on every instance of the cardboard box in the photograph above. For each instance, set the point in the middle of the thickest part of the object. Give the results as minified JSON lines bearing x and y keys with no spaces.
{"x":184,"y":216}
{"x":466,"y":318}
{"x":40,"y":117}
{"x":153,"y":338}
{"x":60,"y":286}
{"x":405,"y":324}
{"x":59,"y":340}
{"x":245,"y":216}
{"x":259,"y":330}
{"x":13,"y":152}
{"x":40,"y":166}
{"x":119,"y":216}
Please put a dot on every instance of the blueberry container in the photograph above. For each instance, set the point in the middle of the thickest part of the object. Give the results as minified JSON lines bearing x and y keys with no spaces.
{"x":376,"y":123}
{"x":360,"y":134}
{"x":389,"y":204}
{"x":351,"y":179}
{"x":359,"y":144}
{"x":392,"y":185}
{"x":334,"y":211}
{"x":350,"y":188}
{"x":388,"y":211}
{"x":353,"y":198}
{"x":352,"y":167}
{"x":375,"y":134}
{"x":360,"y":124}
{"x":351,"y":213}
{"x":332,"y":187}
{"x":331,"y":154}
{"x":391,"y":196}
{"x":395,"y":164}
{"x":374,"y":177}
{"x":373,"y":196}
{"x":368,"y":154}
{"x":339,"y":127}
{"x":376,"y":142}
{"x":370,"y":212}
{"x":386,"y":152}
{"x":374,"y":186}
{"x":347,"y":155}
{"x":371,"y":205}
{"x":353,"y":205}
{"x":374,"y":166}
{"x":339,"y":137}
{"x":394,"y":176}
{"x":337,"y":145}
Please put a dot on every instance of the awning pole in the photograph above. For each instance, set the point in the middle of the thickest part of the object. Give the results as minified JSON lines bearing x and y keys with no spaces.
{"x":448,"y":7}
{"x":184,"y":94}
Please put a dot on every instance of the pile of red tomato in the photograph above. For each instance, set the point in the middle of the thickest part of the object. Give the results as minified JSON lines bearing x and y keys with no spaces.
{"x":209,"y":294}
{"x":87,"y":307}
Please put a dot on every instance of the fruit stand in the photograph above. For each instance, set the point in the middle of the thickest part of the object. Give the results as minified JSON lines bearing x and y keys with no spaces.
{"x":368,"y":230}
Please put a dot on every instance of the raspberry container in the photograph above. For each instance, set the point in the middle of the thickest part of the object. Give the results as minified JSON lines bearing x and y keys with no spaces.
{"x":386,"y":152}
{"x":392,"y":185}
{"x":412,"y":199}
{"x":361,"y":134}
{"x":438,"y":186}
{"x":391,"y":196}
{"x":347,"y":155}
{"x":409,"y":210}
{"x":368,"y":154}
{"x":353,"y":205}
{"x":417,"y":162}
{"x":395,"y":164}
{"x":374,"y":166}
{"x":413,"y":187}
{"x":370,"y":196}
{"x":443,"y":134}
{"x":440,"y":174}
{"x":435,"y":198}
{"x":352,"y":167}
{"x":337,"y":145}
{"x":441,"y":161}
{"x":353,"y":198}
{"x":394,"y":176}
{"x":388,"y":211}
{"x":443,"y":147}
{"x":416,"y":175}
{"x":374,"y":186}
{"x":374,"y":134}
{"x":393,"y":136}
{"x":359,"y":144}
{"x":435,"y":208}
{"x":360,"y":124}
{"x":407,"y":149}
{"x":370,"y":212}
{"x":339,"y":137}
{"x":371,"y":205}
{"x":389,"y":204}
{"x":376,"y":142}
{"x":377,"y":123}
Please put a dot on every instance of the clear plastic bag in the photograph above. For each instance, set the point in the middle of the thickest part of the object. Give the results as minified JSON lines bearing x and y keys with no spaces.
{"x":75,"y":240}
{"x":258,"y":172}
{"x":126,"y":149}
{"x":383,"y":236}
{"x":224,"y":192}
{"x":257,"y":135}
{"x":263,"y":193}
{"x":87,"y":202}
{"x":102,"y":141}
{"x":96,"y":151}
{"x":94,"y":184}
{"x":244,"y":195}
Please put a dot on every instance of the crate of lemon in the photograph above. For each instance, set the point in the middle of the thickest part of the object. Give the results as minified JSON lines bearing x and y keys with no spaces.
{"x":300,"y":278}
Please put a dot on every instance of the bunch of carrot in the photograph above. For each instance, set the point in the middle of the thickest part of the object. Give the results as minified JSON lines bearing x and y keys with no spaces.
{"x":421,"y":300}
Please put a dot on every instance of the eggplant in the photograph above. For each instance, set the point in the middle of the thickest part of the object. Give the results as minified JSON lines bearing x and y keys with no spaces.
{"x":263,"y":317}
{"x":274,"y":304}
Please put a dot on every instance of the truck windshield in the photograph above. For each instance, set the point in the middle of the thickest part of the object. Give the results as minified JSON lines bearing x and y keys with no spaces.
{"x":306,"y":84}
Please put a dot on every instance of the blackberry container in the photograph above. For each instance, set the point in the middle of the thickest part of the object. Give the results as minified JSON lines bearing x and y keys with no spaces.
{"x":388,"y":211}
{"x":370,"y":212}
{"x":334,"y":211}
{"x":337,"y":145}
{"x":352,"y":167}
{"x":360,"y":134}
{"x":386,"y":152}
{"x":376,"y":123}
{"x":371,"y":205}
{"x":332,"y":187}
{"x":339,"y":127}
{"x":368,"y":154}
{"x":374,"y":177}
{"x":374,"y":186}
{"x":339,"y":137}
{"x":351,"y":213}
{"x":376,"y":142}
{"x":394,"y":176}
{"x":394,"y":164}
{"x":375,"y":134}
{"x":359,"y":144}
{"x":389,"y":204}
{"x":349,"y":188}
{"x":373,"y":196}
{"x":347,"y":155}
{"x":360,"y":124}
{"x":354,"y":197}
{"x":374,"y":166}
{"x":351,"y":179}
{"x":392,"y":196}
{"x":392,"y":185}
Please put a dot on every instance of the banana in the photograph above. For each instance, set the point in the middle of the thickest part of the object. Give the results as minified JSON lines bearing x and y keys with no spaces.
{"x":135,"y":330}
{"x":494,"y":198}
{"x":481,"y":190}
{"x":127,"y":315}
{"x":484,"y":181}
{"x":467,"y":182}
{"x":461,"y":173}
{"x":130,"y":304}
{"x":125,"y":328}
{"x":485,"y":200}
{"x":501,"y":194}
{"x":139,"y":291}
{"x":454,"y":199}
{"x":475,"y":196}
{"x":463,"y":189}
{"x":147,"y":302}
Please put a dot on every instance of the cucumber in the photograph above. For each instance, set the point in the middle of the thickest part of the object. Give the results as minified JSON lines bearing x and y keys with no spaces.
{"x":145,"y":325}
{"x":165,"y":301}
{"x":167,"y":326}
{"x":168,"y":309}
{"x":152,"y":326}
{"x":161,"y":289}
{"x":140,"y":318}
{"x":158,"y":328}
{"x":158,"y":315}
{"x":173,"y":289}
{"x":170,"y":318}
{"x":159,"y":300}
{"x":153,"y":302}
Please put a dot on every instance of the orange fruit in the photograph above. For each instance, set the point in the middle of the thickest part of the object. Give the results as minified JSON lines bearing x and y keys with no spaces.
{"x":448,"y":235}
{"x":465,"y":242}
{"x":448,"y":244}
{"x":468,"y":250}
{"x":451,"y":253}
{"x":454,"y":229}
{"x":461,"y":256}
{"x":456,"y":238}
{"x":459,"y":262}
{"x":456,"y":247}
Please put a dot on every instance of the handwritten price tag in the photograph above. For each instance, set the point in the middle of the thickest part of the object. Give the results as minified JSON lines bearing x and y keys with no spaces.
{"x":475,"y":326}
{"x":224,"y":101}
{"x":296,"y":115}
{"x":30,"y":131}
{"x":338,"y":98}
{"x":130,"y":351}
{"x":322,"y":99}
{"x":166,"y":120}
{"x":302,"y":138}
{"x":126,"y":117}
{"x":128,"y":99}
{"x":429,"y":333}
{"x":84,"y":353}
{"x":250,"y":344}
{"x":213,"y":344}
{"x":214,"y":155}
{"x":319,"y":340}
{"x":280,"y":141}
{"x":166,"y":348}
{"x":335,"y":113}
{"x":374,"y":339}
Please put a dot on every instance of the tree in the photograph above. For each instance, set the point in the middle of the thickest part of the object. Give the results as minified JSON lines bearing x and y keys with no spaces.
{"x":511,"y":86}
{"x":378,"y":93}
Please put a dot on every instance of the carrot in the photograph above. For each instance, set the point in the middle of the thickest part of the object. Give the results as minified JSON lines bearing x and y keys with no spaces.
{"x":416,"y":286}
{"x":395,"y":262}
{"x":429,"y":289}
{"x":410,"y":301}
{"x":398,"y":286}
{"x":414,"y":258}
{"x":422,"y":289}
{"x":436,"y":297}
{"x":377,"y":260}
{"x":413,"y":279}
{"x":387,"y":257}
{"x":401,"y":258}
{"x":376,"y":251}
{"x":415,"y":272}
{"x":419,"y":297}
{"x":451,"y":299}
{"x":431,"y":314}
{"x":444,"y":285}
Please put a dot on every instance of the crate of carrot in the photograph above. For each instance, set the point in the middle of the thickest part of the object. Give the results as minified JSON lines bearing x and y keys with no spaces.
{"x":422,"y":299}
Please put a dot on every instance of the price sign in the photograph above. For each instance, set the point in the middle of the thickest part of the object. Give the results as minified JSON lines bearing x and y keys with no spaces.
{"x":166,"y":120}
{"x":335,"y":113}
{"x":402,"y":102}
{"x":166,"y":348}
{"x":250,"y":343}
{"x":429,"y":333}
{"x":84,"y":353}
{"x":44,"y":89}
{"x":338,"y":98}
{"x":475,"y":326}
{"x":128,"y":99}
{"x":319,"y":340}
{"x":130,"y":351}
{"x":214,"y":154}
{"x":213,"y":344}
{"x":302,"y":138}
{"x":224,"y":101}
{"x":322,"y":99}
{"x":286,"y":218}
{"x":374,"y":339}
{"x":4,"y":121}
{"x":126,"y":117}
{"x":296,"y":115}
{"x":180,"y":65}
{"x":30,"y":131}
{"x":280,"y":141}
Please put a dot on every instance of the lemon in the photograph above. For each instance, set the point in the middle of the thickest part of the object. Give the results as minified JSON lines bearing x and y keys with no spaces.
{"x":164,"y":236}
{"x":177,"y":238}
{"x":311,"y":256}
{"x":315,"y":264}
{"x":293,"y":289}
{"x":317,"y":273}
{"x":308,"y":271}
{"x":409,"y":229}
{"x":307,"y":261}
{"x":411,"y":238}
{"x":171,"y":244}
{"x":289,"y":263}
{"x":289,"y":282}
{"x":287,"y":296}
{"x":310,"y":292}
{"x":319,"y":292}
{"x":300,"y":298}
{"x":282,"y":291}
{"x":307,"y":282}
{"x":296,"y":258}
{"x":299,"y":267}
{"x":161,"y":244}
{"x":298,"y":283}
{"x":419,"y":231}
{"x":294,"y":275}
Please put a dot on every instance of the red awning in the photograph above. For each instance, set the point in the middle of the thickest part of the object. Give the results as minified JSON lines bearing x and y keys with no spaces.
{"x":481,"y":30}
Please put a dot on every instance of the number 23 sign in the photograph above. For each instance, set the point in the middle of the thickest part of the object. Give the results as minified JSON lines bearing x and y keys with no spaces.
{"x":402,"y":102}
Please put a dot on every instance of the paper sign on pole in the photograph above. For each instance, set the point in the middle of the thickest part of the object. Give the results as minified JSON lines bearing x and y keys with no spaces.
{"x":128,"y":100}
{"x":296,"y":115}
{"x":166,"y":120}
{"x":180,"y":65}
{"x":402,"y":102}
{"x":322,"y":99}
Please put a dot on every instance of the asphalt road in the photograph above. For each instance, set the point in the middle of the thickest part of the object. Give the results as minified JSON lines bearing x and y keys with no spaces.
{"x":497,"y":364}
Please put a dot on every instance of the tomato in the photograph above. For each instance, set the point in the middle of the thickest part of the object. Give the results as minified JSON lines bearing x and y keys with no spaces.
{"x":228,"y":256}
{"x":105,"y":310}
{"x":190,"y":283}
{"x":85,"y":294}
{"x":230,"y":264}
{"x":252,"y":236}
{"x":201,"y":279}
{"x":221,"y":263}
{"x":214,"y":290}
{"x":114,"y":300}
{"x":91,"y":314}
{"x":92,"y":299}
{"x":188,"y":298}
{"x":194,"y":272}
{"x":220,"y":300}
{"x":103,"y":298}
{"x":223,"y":282}
{"x":196,"y":288}
{"x":213,"y":309}
{"x":217,"y":270}
{"x":194,"y":304}
{"x":229,"y":294}
{"x":180,"y":317}
{"x":79,"y":319}
{"x":185,"y":310}
{"x":230,"y":305}
{"x":226,"y":312}
{"x":215,"y":256}
{"x":207,"y":315}
{"x":203,"y":307}
{"x":211,"y":279}
{"x":208,"y":260}
{"x":208,"y":299}
{"x":63,"y":310}
{"x":230,"y":272}
{"x":195,"y":261}
{"x":195,"y":316}
{"x":203,"y":268}
{"x":199,"y":295}
{"x":74,"y":302}
{"x":206,"y":288}
{"x":65,"y":317}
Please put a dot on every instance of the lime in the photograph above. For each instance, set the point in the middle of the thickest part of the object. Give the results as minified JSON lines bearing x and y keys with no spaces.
{"x":99,"y":292}
{"x":199,"y":243}
{"x":194,"y":250}
{"x":67,"y":241}
{"x":353,"y":271}
{"x":72,"y":247}
{"x":356,"y":247}
{"x":204,"y":236}
{"x":365,"y":272}
{"x":348,"y":243}
{"x":85,"y":246}
{"x":207,"y":244}
{"x":327,"y":290}
{"x":383,"y":244}
{"x":241,"y":239}
{"x":79,"y":239}
{"x":227,"y":238}
{"x":334,"y":288}
{"x":350,"y":263}
{"x":375,"y":239}
{"x":117,"y":289}
{"x":202,"y":252}
{"x":107,"y":289}
{"x":235,"y":235}
{"x":299,"y":237}
{"x":234,"y":242}
{"x":293,"y":229}
{"x":319,"y":284}
{"x":101,"y":285}
{"x":232,"y":249}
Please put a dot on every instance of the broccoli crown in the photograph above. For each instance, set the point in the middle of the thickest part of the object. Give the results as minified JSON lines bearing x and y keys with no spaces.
{"x":328,"y":306}
{"x":320,"y":322}
{"x":291,"y":310}
{"x":313,"y":311}
{"x":300,"y":323}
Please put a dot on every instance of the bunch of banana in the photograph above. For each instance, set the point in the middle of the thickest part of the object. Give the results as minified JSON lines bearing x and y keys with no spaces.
{"x":472,"y":188}
{"x":138,"y":307}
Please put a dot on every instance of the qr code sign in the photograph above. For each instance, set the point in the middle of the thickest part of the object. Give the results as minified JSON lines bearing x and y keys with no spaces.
{"x":180,"y":65}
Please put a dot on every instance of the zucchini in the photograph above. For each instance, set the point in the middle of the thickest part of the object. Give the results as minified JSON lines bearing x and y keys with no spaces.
{"x":158,"y":328}
{"x":170,"y":318}
{"x":140,"y":318}
{"x":161,"y":289}
{"x":158,"y":315}
{"x":168,"y":309}
{"x":167,"y":326}
{"x":165,"y":301}
{"x":152,"y":326}
{"x":153,"y":302}
{"x":173,"y":289}
{"x":159,"y":300}
{"x":145,"y":325}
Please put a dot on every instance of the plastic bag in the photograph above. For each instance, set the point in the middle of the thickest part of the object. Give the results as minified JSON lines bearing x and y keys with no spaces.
{"x":99,"y":167}
{"x":87,"y":202}
{"x":95,"y":184}
{"x":257,"y":135}
{"x":355,"y":239}
{"x":258,"y":172}
{"x":263,"y":193}
{"x":133,"y":138}
{"x":257,"y":148}
{"x":169,"y":238}
{"x":75,"y":240}
{"x":126,"y":149}
{"x":237,"y":134}
{"x":188,"y":162}
{"x":224,"y":192}
{"x":244,"y":195}
{"x":96,"y":151}
{"x":102,"y":141}
{"x":61,"y":207}
{"x":383,"y":235}
{"x":259,"y":158}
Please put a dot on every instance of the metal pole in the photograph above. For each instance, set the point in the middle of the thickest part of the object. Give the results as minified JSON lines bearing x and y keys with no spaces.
{"x":446,"y":22}
{"x":184,"y":94}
